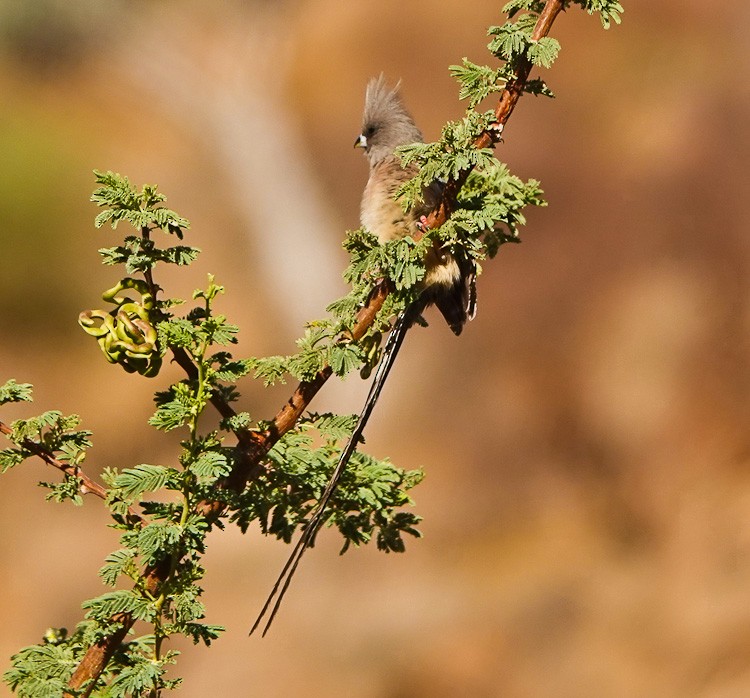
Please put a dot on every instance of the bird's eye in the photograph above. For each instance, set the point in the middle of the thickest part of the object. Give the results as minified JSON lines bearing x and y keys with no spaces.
{"x":369,"y":130}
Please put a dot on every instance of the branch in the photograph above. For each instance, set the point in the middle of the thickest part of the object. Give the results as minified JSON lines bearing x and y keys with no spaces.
{"x":508,"y":99}
{"x":88,"y":486}
{"x":97,"y":656}
{"x":254,"y":445}
{"x":306,"y":390}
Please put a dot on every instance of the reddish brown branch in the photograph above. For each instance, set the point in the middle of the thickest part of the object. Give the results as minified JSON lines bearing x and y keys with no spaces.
{"x":509,"y":97}
{"x":306,"y":390}
{"x":88,"y":486}
{"x":97,"y":657}
{"x":255,"y":445}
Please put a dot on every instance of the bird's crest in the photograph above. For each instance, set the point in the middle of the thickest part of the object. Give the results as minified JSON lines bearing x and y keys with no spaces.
{"x":386,"y":124}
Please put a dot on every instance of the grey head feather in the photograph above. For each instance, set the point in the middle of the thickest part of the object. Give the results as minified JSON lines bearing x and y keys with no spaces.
{"x":386,"y":124}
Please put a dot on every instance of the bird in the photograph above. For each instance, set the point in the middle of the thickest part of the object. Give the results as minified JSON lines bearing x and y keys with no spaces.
{"x":449,"y":282}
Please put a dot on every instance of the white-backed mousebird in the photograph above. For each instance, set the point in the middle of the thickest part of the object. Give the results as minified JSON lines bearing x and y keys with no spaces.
{"x":449,"y":281}
{"x":386,"y":125}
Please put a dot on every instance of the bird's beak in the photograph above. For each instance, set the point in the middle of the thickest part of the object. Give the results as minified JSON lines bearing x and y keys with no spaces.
{"x":361,"y":141}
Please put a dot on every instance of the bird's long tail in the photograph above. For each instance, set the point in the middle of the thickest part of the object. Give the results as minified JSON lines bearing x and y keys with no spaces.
{"x":390,"y":351}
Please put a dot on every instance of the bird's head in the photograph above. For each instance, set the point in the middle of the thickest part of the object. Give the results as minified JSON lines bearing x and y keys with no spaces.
{"x":385,"y":123}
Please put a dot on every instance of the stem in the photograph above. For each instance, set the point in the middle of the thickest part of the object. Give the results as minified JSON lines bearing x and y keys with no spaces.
{"x":147,"y":275}
{"x":88,"y":485}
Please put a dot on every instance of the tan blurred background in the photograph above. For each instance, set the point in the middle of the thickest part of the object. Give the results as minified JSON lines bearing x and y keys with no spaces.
{"x":586,"y":441}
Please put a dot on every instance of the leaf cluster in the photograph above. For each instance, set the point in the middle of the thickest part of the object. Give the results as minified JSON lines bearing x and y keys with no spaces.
{"x":50,"y":432}
{"x":489,"y":208}
{"x":43,"y":671}
{"x":121,"y":201}
{"x":609,"y":10}
{"x":326,"y":342}
{"x":366,"y":504}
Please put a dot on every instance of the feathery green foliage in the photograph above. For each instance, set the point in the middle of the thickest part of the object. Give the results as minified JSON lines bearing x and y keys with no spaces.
{"x":171,"y":530}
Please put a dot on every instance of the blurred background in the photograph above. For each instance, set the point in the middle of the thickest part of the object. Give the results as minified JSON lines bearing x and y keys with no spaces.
{"x":586,"y":440}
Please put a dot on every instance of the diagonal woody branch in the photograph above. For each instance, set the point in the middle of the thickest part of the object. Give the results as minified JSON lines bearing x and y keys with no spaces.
{"x":259,"y":443}
{"x":508,"y":99}
{"x":306,"y":390}
{"x":254,"y":445}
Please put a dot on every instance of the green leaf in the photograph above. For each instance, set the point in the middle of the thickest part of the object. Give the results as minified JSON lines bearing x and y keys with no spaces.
{"x":477,"y":81}
{"x":136,"y":680}
{"x":237,"y":422}
{"x":122,"y":201}
{"x":176,"y":407}
{"x":210,"y":465}
{"x":177,"y":332}
{"x":103,"y":607}
{"x":68,"y":489}
{"x":543,"y":52}
{"x":229,"y":369}
{"x":333,"y":427}
{"x":514,"y":6}
{"x":133,"y":482}
{"x":169,"y":220}
{"x":120,"y":562}
{"x":15,"y":392}
{"x":186,"y":605}
{"x":219,"y":331}
{"x":512,"y":38}
{"x":608,"y":10}
{"x":11,"y":457}
{"x":158,"y":540}
{"x":114,"y":255}
{"x":198,"y":632}
{"x":180,"y":255}
{"x":537,"y":86}
{"x":344,"y":358}
{"x":42,"y":671}
{"x":389,"y":538}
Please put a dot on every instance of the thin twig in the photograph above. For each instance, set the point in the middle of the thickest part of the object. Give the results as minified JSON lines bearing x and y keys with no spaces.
{"x":88,"y":486}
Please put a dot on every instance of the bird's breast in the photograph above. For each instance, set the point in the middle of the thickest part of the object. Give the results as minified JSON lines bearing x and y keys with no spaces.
{"x":384,"y":218}
{"x":380,"y":213}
